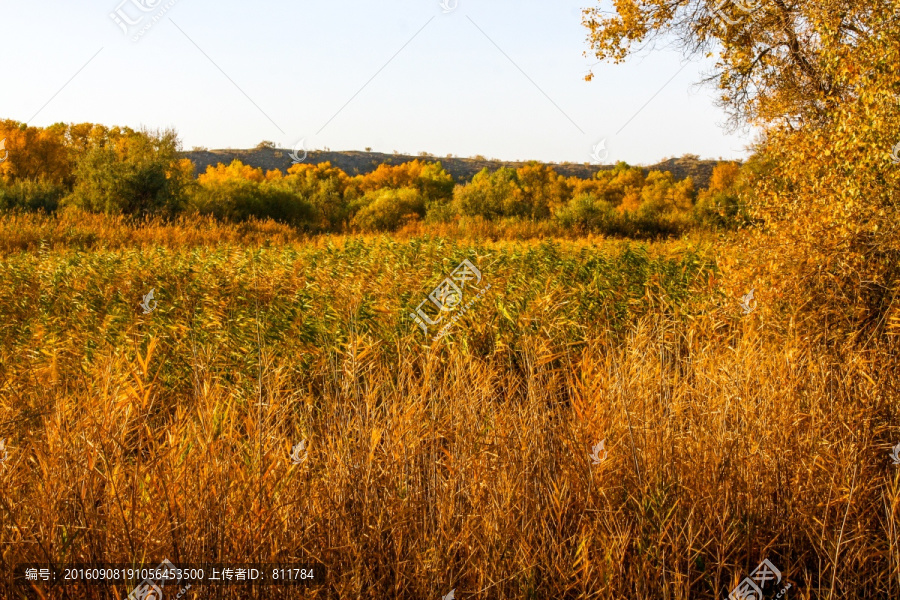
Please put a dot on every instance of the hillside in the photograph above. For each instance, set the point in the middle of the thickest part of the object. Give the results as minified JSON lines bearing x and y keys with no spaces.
{"x":462,"y":169}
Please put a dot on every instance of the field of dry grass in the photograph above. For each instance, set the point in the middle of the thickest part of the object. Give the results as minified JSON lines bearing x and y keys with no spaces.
{"x":460,"y":464}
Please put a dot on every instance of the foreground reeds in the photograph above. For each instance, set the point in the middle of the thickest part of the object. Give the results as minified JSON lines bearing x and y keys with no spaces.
{"x":459,"y":464}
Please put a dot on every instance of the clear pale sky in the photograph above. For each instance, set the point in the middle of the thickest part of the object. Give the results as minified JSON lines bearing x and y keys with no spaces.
{"x":500,"y":78}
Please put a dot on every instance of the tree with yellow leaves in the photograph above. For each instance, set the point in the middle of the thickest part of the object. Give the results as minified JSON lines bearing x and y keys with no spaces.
{"x":821,"y":79}
{"x":430,"y":179}
{"x":237,"y":192}
{"x":543,"y":189}
{"x":323,"y":187}
{"x":35,"y":153}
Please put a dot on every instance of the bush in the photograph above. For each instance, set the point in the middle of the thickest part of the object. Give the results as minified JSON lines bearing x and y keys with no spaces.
{"x":830,"y":197}
{"x":386,"y":210}
{"x":430,"y":179}
{"x":31,"y":195}
{"x":238,"y":192}
{"x":720,"y":206}
{"x":440,"y":212}
{"x":491,"y":195}
{"x":320,"y":186}
{"x":586,"y":212}
{"x":662,"y":197}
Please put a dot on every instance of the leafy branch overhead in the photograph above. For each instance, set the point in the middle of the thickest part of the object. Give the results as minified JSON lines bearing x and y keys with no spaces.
{"x":776,"y":60}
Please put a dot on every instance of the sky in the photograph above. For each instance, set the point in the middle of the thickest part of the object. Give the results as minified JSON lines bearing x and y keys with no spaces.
{"x":498,"y":78}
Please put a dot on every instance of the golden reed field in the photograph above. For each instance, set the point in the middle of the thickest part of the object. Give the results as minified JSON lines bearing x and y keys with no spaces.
{"x":468,"y":464}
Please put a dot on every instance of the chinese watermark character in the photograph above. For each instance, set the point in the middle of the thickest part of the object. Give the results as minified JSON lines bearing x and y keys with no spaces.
{"x":746,"y":300}
{"x":146,"y":303}
{"x":139,"y":16}
{"x":599,"y":452}
{"x":448,"y":296}
{"x":298,"y":453}
{"x":751,"y":588}
{"x":298,"y":149}
{"x":599,"y":152}
{"x":148,"y":588}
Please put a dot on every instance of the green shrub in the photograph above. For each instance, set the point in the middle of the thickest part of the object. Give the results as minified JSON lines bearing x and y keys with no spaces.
{"x":32,"y":195}
{"x":721,"y":205}
{"x":131,"y":173}
{"x":491,"y":195}
{"x":586,"y":212}
{"x":387,"y":209}
{"x":238,"y":200}
{"x":323,"y":188}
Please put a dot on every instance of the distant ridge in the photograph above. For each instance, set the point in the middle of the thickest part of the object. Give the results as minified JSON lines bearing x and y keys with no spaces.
{"x":462,"y":169}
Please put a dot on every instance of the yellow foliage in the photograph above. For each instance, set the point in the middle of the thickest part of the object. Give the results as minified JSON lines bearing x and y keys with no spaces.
{"x":34,"y":153}
{"x":236,"y":171}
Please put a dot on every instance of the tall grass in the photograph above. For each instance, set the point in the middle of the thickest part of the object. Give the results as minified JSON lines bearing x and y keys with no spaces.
{"x":431,"y":466}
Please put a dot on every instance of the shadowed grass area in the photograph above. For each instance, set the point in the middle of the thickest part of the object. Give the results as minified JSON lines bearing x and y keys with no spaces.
{"x":456,"y":464}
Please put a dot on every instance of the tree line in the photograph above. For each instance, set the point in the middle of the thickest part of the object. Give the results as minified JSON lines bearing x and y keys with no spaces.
{"x":122,"y":171}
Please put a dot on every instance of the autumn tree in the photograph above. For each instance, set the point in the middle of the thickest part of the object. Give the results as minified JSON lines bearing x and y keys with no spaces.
{"x":586,"y":212}
{"x":720,"y":204}
{"x":429,"y":178}
{"x":131,"y":172}
{"x":323,"y":187}
{"x":386,"y":209}
{"x":821,"y":79}
{"x":620,"y":187}
{"x":543,"y":189}
{"x":35,"y":153}
{"x":612,"y":185}
{"x":775,"y":63}
{"x":237,"y":192}
{"x":82,"y":137}
{"x":661,"y":194}
{"x":491,"y":195}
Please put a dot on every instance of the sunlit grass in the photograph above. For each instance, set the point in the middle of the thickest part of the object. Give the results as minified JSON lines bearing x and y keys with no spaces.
{"x":431,"y":466}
